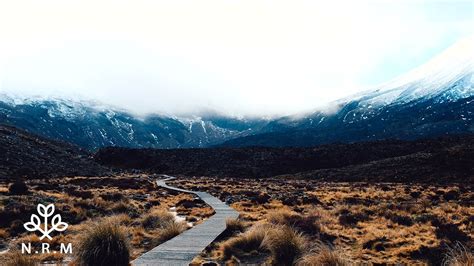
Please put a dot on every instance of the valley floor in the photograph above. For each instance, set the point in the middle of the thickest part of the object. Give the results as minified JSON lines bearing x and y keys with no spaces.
{"x":360,"y":222}
{"x":150,"y":215}
{"x":363,"y":222}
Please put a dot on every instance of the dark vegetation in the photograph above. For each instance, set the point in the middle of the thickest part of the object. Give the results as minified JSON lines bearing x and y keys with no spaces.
{"x":447,"y":159}
{"x":18,"y":187}
{"x":31,"y":156}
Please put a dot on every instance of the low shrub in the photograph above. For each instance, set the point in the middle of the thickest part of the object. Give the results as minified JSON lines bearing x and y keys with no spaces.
{"x":348,"y":218}
{"x":83,"y":194}
{"x":449,"y":231}
{"x":401,"y":220}
{"x":18,"y":187}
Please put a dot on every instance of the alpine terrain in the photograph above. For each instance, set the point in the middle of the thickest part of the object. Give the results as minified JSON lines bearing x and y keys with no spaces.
{"x":92,"y":125}
{"x":433,"y":100}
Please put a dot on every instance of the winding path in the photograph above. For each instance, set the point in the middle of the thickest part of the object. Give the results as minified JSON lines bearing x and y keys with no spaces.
{"x":182,"y":249}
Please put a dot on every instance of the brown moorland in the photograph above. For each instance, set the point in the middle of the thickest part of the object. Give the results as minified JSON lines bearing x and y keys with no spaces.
{"x":352,"y":222}
{"x":133,"y":203}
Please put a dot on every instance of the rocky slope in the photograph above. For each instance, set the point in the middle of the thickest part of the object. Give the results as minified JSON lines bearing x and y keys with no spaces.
{"x":24,"y":155}
{"x":92,"y":126}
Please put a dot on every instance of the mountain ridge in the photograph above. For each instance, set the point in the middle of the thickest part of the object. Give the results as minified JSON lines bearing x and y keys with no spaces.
{"x":432,"y":100}
{"x":94,"y":126}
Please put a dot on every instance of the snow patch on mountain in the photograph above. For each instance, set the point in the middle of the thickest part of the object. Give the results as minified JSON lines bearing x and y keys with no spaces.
{"x":448,"y":77}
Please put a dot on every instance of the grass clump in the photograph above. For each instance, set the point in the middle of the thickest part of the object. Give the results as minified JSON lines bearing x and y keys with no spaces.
{"x":171,"y":230}
{"x":104,"y":243}
{"x":163,"y":224}
{"x":285,"y":244}
{"x":459,"y":255}
{"x":325,"y":255}
{"x":248,"y":242}
{"x":235,"y":225}
{"x":307,"y":224}
{"x":157,"y":219}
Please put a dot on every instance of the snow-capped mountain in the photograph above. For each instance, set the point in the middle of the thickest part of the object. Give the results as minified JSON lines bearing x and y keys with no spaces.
{"x":92,"y":125}
{"x":434,"y":99}
{"x":448,"y":77}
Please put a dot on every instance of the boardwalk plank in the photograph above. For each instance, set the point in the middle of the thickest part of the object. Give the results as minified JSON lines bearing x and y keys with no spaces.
{"x":182,"y":249}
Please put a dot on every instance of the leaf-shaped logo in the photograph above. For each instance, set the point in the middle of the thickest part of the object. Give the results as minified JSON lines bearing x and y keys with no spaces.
{"x":45,"y":212}
{"x":34,"y":224}
{"x":58,"y":224}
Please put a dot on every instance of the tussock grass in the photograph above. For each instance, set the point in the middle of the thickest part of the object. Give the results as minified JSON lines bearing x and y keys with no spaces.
{"x":250,"y":241}
{"x":281,"y":216}
{"x":162,"y":224}
{"x":459,"y":255}
{"x":158,"y":218}
{"x":324,"y":255}
{"x":171,"y":230}
{"x":285,"y":244}
{"x":103,"y":243}
{"x":307,"y":224}
{"x":235,"y":225}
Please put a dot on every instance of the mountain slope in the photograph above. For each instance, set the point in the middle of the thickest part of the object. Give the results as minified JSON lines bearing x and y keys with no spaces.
{"x":93,"y":126}
{"x":24,"y":154}
{"x":433,"y":100}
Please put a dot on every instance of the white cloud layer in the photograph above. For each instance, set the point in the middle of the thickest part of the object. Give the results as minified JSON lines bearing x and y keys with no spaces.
{"x":241,"y":57}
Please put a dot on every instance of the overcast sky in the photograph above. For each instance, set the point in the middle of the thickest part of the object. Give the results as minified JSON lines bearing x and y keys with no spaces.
{"x":240,"y":57}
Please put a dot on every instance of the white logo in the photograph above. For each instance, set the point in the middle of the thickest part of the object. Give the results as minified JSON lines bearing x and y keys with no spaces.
{"x":45,"y":212}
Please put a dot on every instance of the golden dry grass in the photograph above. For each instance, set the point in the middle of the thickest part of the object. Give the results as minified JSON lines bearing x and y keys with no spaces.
{"x":280,"y":243}
{"x":245,"y":243}
{"x":459,"y":255}
{"x":325,"y":255}
{"x":285,"y":244}
{"x":170,"y":230}
{"x":370,"y":222}
{"x":157,"y":218}
{"x":132,"y":202}
{"x":235,"y":225}
{"x":103,"y":243}
{"x":16,"y":258}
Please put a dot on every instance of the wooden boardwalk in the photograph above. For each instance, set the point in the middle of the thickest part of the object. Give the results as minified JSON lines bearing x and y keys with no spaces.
{"x":182,"y":249}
